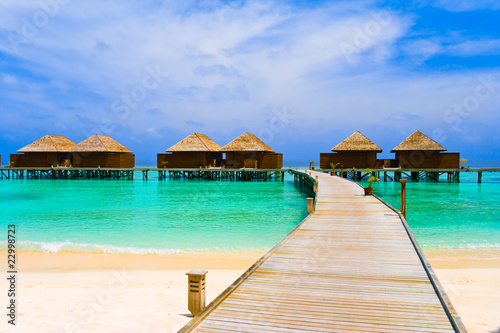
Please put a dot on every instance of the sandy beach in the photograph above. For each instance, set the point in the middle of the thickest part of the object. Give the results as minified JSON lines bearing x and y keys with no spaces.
{"x":69,"y":292}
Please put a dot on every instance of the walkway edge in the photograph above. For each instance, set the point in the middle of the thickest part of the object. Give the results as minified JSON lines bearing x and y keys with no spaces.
{"x":450,"y":310}
{"x":219,"y":299}
{"x":448,"y":307}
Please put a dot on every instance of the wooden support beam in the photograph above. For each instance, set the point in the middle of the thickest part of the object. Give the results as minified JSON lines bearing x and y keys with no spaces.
{"x":403,"y":196}
{"x":310,"y":202}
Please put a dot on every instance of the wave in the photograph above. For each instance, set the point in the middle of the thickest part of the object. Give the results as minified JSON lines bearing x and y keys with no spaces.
{"x":56,"y":247}
{"x":466,"y":246}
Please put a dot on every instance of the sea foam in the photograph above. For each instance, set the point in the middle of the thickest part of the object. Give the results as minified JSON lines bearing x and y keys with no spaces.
{"x":55,"y":247}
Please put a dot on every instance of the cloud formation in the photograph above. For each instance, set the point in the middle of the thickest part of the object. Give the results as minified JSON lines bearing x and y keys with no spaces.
{"x":165,"y":69}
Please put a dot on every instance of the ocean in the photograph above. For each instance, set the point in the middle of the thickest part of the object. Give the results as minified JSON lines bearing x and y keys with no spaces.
{"x":445,"y":215}
{"x":110,"y":216}
{"x":158,"y":217}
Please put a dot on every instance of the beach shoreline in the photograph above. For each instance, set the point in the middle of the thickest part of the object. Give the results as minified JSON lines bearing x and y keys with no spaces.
{"x":71,"y":291}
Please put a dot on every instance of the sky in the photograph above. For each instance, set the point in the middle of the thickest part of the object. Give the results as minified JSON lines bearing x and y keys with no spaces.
{"x":301,"y":75}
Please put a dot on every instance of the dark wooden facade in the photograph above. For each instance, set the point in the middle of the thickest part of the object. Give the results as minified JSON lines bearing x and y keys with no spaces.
{"x":189,"y":159}
{"x":248,"y":159}
{"x":350,"y":159}
{"x":424,"y":159}
{"x":40,"y":160}
{"x":81,"y":160}
{"x":103,"y":160}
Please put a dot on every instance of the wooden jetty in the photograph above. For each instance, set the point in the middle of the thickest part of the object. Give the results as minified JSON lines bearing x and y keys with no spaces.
{"x":67,"y":173}
{"x":222,"y":174}
{"x":352,"y":265}
{"x":128,"y":173}
{"x":452,"y":175}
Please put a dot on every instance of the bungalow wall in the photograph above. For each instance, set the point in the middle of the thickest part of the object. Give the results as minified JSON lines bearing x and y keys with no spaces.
{"x":422,"y":159}
{"x":188,"y":159}
{"x":271,"y":161}
{"x":103,"y":160}
{"x":247,"y":159}
{"x":350,"y":159}
{"x":39,"y":160}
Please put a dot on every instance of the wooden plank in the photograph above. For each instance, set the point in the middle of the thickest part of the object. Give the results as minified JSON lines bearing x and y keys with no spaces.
{"x":351,"y":266}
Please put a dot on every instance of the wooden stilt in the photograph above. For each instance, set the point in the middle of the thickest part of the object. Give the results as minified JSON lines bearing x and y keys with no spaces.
{"x":403,"y":196}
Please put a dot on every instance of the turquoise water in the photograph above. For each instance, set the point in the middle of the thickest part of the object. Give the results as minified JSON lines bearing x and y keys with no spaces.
{"x":149,"y":216}
{"x":182,"y":216}
{"x":450,"y":215}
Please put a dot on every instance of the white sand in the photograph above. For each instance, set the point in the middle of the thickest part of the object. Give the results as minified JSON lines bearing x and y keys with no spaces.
{"x":124,"y":293}
{"x":475,"y":294}
{"x":109,"y":301}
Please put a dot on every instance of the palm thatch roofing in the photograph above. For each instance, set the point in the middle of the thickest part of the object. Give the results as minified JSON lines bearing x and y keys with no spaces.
{"x":357,"y":142}
{"x":49,"y":144}
{"x":195,"y":142}
{"x":418,"y":141}
{"x":100,"y":143}
{"x":247,"y":142}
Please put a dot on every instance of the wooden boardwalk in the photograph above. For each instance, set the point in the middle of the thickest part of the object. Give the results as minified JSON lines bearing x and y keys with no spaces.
{"x":351,"y":266}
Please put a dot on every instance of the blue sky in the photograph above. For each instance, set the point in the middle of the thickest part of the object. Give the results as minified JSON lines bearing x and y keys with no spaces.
{"x":302,"y":75}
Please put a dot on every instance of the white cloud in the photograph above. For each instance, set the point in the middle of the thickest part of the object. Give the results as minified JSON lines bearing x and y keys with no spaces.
{"x":226,"y":65}
{"x":423,"y":49}
{"x":105,"y":48}
{"x":9,"y":79}
{"x":475,"y":47}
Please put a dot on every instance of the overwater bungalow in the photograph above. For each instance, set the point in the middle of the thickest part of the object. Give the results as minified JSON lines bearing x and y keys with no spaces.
{"x":50,"y":150}
{"x":418,"y":151}
{"x":101,"y":151}
{"x":195,"y":151}
{"x":357,"y":151}
{"x":248,"y":151}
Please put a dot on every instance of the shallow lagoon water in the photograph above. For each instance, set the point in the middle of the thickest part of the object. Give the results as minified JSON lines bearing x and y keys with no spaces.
{"x":450,"y":215}
{"x":150,"y":216}
{"x":183,"y":216}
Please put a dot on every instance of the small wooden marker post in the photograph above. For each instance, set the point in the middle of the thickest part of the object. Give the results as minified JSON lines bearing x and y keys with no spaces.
{"x":310,"y":202}
{"x":315,"y":185}
{"x":341,"y":171}
{"x":403,"y":196}
{"x":196,"y":290}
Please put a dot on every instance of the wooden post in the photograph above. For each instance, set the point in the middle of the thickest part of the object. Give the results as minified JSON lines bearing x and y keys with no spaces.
{"x":341,"y":171}
{"x":479,"y":177}
{"x":196,"y":290}
{"x":403,"y":196}
{"x":315,"y":185}
{"x":310,"y":205}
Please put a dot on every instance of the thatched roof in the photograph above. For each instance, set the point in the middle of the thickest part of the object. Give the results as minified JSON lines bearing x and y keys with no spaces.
{"x":49,"y":144}
{"x":247,"y":142}
{"x":195,"y":142}
{"x":100,"y":143}
{"x":418,"y":141}
{"x":357,"y":142}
